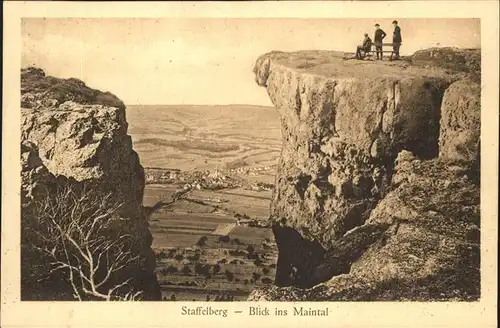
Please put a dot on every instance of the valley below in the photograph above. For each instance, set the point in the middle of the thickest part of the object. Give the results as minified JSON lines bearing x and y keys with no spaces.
{"x":209,"y":177}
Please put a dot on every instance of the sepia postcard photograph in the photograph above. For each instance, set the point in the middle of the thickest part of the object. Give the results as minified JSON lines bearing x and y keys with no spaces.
{"x":248,"y":163}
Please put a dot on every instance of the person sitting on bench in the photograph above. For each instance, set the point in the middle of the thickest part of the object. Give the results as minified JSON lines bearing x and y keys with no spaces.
{"x":366,"y":47}
{"x":379,"y":38}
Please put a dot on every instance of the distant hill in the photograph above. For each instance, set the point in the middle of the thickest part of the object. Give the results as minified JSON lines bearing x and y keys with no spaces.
{"x":199,"y":137}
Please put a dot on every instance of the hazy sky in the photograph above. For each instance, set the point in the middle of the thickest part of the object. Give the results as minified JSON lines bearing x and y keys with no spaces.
{"x":204,"y":61}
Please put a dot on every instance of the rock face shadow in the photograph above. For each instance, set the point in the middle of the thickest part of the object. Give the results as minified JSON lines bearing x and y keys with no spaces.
{"x":297,"y":258}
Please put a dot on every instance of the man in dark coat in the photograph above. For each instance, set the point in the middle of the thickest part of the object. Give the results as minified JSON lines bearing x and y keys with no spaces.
{"x":378,"y":38}
{"x":365,"y":47}
{"x":396,"y":39}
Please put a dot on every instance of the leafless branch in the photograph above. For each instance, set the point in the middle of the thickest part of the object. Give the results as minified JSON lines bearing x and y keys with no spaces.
{"x":71,"y":231}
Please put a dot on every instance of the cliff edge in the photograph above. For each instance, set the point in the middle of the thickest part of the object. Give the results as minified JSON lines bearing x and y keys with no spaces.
{"x":84,"y":231}
{"x":377,"y":193}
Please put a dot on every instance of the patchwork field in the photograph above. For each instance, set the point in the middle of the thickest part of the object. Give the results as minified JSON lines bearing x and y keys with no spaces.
{"x":213,"y":244}
{"x":202,"y":250}
{"x":205,"y":137}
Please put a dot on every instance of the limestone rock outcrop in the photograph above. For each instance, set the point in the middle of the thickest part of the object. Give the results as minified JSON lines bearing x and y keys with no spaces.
{"x":72,"y":133}
{"x":350,"y":215}
{"x":461,"y":122}
{"x":454,"y":59}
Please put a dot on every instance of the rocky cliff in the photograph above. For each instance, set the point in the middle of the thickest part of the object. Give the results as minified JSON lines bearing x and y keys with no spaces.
{"x":377,"y":192}
{"x":78,"y":162}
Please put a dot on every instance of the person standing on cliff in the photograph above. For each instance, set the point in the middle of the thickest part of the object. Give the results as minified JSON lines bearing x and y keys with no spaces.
{"x":365,"y":47}
{"x":396,"y":39}
{"x":378,"y":39}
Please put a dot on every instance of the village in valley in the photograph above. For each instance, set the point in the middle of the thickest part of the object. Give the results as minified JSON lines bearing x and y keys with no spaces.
{"x":207,"y":197}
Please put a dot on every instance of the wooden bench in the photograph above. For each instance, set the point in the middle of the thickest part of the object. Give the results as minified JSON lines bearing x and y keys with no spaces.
{"x":373,"y":49}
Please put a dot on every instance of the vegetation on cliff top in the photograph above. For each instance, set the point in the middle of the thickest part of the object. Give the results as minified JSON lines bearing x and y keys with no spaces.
{"x":38,"y":88}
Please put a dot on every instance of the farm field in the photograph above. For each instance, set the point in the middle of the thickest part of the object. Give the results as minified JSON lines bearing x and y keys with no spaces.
{"x":213,"y":242}
{"x":201,"y":250}
{"x":230,"y":201}
{"x":195,"y":137}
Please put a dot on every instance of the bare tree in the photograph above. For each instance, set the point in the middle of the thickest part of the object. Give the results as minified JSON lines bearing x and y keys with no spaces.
{"x":79,"y":232}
